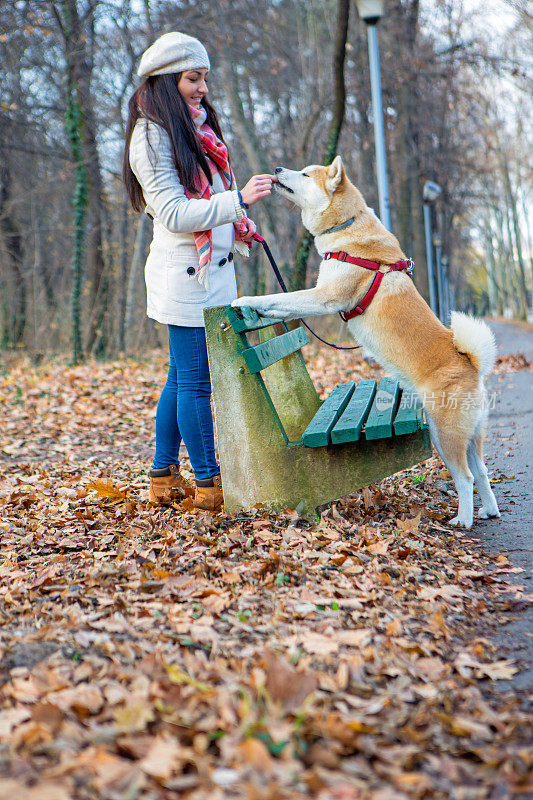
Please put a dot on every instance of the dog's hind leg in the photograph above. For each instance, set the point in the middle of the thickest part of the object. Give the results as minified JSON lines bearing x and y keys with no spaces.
{"x":464,"y":483}
{"x":451,"y":447}
{"x":489,"y":504}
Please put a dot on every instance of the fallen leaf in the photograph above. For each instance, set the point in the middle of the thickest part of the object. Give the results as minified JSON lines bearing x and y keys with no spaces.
{"x":254,"y":752}
{"x":285,"y":684}
{"x":10,"y":718}
{"x":358,"y":638}
{"x":319,"y":644}
{"x":106,"y":489}
{"x":410,"y":524}
{"x":83,"y":699}
{"x":162,"y":759}
{"x":133,"y":717}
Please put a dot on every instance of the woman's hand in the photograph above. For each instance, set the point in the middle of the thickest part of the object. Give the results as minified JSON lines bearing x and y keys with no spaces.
{"x":257,"y":187}
{"x":247,"y":236}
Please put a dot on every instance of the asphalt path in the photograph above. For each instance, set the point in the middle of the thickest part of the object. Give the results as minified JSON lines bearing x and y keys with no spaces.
{"x":509,"y":458}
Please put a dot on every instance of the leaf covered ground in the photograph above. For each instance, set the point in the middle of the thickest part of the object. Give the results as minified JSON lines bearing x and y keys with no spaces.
{"x":170,"y":654}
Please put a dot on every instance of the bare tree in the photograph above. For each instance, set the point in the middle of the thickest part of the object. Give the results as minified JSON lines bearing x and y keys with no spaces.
{"x":299,"y":273}
{"x":75,"y":22}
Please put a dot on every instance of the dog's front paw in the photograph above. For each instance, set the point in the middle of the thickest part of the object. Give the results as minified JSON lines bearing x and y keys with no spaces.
{"x":249,"y":302}
{"x":259,"y":304}
{"x":241,"y":301}
{"x":269,"y":313}
{"x":459,"y":522}
{"x":487,"y":513}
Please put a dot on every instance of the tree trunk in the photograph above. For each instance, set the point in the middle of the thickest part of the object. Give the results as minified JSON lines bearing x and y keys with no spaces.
{"x":245,"y":130}
{"x":494,"y":292}
{"x":511,"y":201}
{"x":407,"y":174}
{"x":70,"y":27}
{"x":305,"y":243}
{"x":420,"y":275}
{"x":503,"y":257}
{"x":77,"y":34}
{"x":74,"y":127}
{"x":45,"y":273}
{"x":122,"y":289}
{"x":97,"y":339}
{"x":409,"y":216}
{"x":16,"y":311}
{"x":148,"y":18}
{"x":137,"y":263}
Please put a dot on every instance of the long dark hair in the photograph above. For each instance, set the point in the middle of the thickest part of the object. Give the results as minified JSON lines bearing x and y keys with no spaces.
{"x":159,"y":100}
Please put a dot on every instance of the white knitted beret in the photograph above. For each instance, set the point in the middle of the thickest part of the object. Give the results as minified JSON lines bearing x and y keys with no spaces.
{"x":173,"y":52}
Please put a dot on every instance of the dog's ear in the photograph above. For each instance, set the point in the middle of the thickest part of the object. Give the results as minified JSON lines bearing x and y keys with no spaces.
{"x":335,"y":174}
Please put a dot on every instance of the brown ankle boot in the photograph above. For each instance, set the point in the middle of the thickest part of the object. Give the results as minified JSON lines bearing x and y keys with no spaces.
{"x":210,"y":498}
{"x":167,"y":486}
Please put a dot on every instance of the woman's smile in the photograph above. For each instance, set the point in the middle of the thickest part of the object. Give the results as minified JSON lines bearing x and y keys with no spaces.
{"x":193,"y":87}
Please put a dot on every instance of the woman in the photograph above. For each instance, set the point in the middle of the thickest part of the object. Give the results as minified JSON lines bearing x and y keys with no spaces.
{"x":176,"y":168}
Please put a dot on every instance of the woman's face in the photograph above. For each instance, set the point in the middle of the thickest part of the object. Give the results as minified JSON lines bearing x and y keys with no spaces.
{"x":192,"y":86}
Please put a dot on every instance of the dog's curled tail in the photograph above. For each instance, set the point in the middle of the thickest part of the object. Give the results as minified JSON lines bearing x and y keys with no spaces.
{"x":475,"y":338}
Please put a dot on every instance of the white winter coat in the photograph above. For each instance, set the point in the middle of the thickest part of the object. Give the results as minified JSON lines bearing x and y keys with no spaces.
{"x":174,"y":295}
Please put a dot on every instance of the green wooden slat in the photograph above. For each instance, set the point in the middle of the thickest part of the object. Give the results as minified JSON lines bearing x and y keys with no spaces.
{"x":408,"y":418}
{"x":318,"y":432}
{"x":348,"y":428}
{"x":246,"y":319}
{"x":385,"y":403}
{"x":263,"y":355}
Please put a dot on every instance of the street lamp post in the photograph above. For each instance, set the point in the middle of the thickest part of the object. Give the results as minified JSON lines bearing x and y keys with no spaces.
{"x":437,"y":243}
{"x":446,"y":290}
{"x":371,"y":12}
{"x":431,"y":192}
{"x":450,"y":299}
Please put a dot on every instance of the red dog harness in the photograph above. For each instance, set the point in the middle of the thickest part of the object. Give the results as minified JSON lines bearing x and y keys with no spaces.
{"x":377,"y":268}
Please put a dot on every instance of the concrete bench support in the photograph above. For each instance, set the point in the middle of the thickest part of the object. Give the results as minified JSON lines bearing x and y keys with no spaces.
{"x":256,"y":424}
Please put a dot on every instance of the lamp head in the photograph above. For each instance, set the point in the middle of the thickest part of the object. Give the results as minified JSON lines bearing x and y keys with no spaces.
{"x":431,"y":191}
{"x":370,"y":11}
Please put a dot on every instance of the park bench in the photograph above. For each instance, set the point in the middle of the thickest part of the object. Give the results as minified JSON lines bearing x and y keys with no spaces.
{"x":279,"y":445}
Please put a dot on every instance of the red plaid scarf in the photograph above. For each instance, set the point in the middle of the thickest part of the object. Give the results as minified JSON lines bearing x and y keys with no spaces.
{"x":217,"y":156}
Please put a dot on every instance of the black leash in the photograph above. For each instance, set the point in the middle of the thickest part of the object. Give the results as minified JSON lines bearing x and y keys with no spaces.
{"x":281,"y":282}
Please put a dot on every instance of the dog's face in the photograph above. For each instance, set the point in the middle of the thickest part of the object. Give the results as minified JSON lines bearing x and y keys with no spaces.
{"x":315,"y":189}
{"x":327,"y":197}
{"x":312,"y":188}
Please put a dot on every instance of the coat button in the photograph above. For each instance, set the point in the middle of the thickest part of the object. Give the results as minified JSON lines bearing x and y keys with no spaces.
{"x":190,"y":271}
{"x":230,"y":257}
{"x":222,"y":262}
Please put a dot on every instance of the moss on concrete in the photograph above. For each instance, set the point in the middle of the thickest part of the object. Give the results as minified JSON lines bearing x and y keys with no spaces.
{"x":257,"y":465}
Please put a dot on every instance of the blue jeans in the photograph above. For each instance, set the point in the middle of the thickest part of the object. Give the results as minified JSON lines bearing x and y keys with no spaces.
{"x":184,"y":408}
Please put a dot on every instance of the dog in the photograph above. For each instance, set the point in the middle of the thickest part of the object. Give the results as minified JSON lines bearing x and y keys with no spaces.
{"x":445,"y":367}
